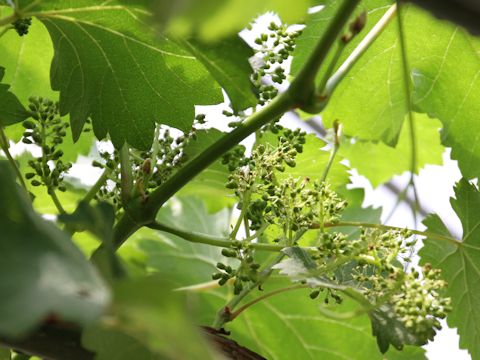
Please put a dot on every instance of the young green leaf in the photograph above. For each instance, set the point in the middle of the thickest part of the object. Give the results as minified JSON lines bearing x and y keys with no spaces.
{"x":460,"y":265}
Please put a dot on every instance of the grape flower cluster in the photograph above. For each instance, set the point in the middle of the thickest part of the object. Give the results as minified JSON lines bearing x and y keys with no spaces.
{"x":47,"y":130}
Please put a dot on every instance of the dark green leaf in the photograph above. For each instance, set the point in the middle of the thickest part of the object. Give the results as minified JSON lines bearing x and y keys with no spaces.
{"x":227,"y":61}
{"x":110,"y":66}
{"x":44,"y":268}
{"x":11,"y":110}
{"x":460,"y":264}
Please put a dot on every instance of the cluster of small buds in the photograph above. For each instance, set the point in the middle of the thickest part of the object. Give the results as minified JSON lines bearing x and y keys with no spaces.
{"x":294,"y":204}
{"x":333,"y":245}
{"x":329,"y":295}
{"x":247,"y":272}
{"x":374,"y":269}
{"x":274,"y":47}
{"x":22,"y":26}
{"x":418,"y":302}
{"x":47,"y":130}
{"x":151,"y":168}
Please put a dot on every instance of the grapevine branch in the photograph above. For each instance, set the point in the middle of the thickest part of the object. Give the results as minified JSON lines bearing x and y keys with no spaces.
{"x":299,"y":94}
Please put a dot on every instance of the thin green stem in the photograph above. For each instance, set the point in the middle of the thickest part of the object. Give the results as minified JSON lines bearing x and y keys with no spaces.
{"x":388,"y":227}
{"x":56,"y":200}
{"x":266,"y":296}
{"x":411,"y":119}
{"x":125,"y":174}
{"x":246,"y":200}
{"x":359,"y":51}
{"x":331,"y":67}
{"x":303,"y":86}
{"x":96,"y":187}
{"x":336,"y":145}
{"x":209,"y":240}
{"x":224,"y":314}
{"x":11,"y":160}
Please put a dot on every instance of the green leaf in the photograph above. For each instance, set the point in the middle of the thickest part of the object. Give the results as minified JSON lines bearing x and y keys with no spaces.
{"x":379,"y":162}
{"x":43,"y":265}
{"x":111,"y":67}
{"x":214,"y":19}
{"x":209,"y":185}
{"x":151,"y":321}
{"x":227,"y":61}
{"x":27,"y":60}
{"x":29,"y":57}
{"x":371,"y":100}
{"x":184,"y":262}
{"x":438,"y":77}
{"x":460,"y":264}
{"x":292,"y":327}
{"x":97,"y":219}
{"x":11,"y":110}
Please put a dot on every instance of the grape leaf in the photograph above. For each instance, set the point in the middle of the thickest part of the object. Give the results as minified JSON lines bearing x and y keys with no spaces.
{"x":110,"y":66}
{"x":29,"y":59}
{"x":460,"y":263}
{"x":209,"y":185}
{"x":164,"y":252}
{"x":215,"y":19}
{"x":151,"y":322}
{"x":371,"y":100}
{"x":11,"y":110}
{"x":384,"y":161}
{"x":42,"y":264}
{"x":227,"y":61}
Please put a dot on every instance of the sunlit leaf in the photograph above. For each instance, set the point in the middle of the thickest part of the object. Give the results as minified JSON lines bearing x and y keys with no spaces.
{"x":460,"y":264}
